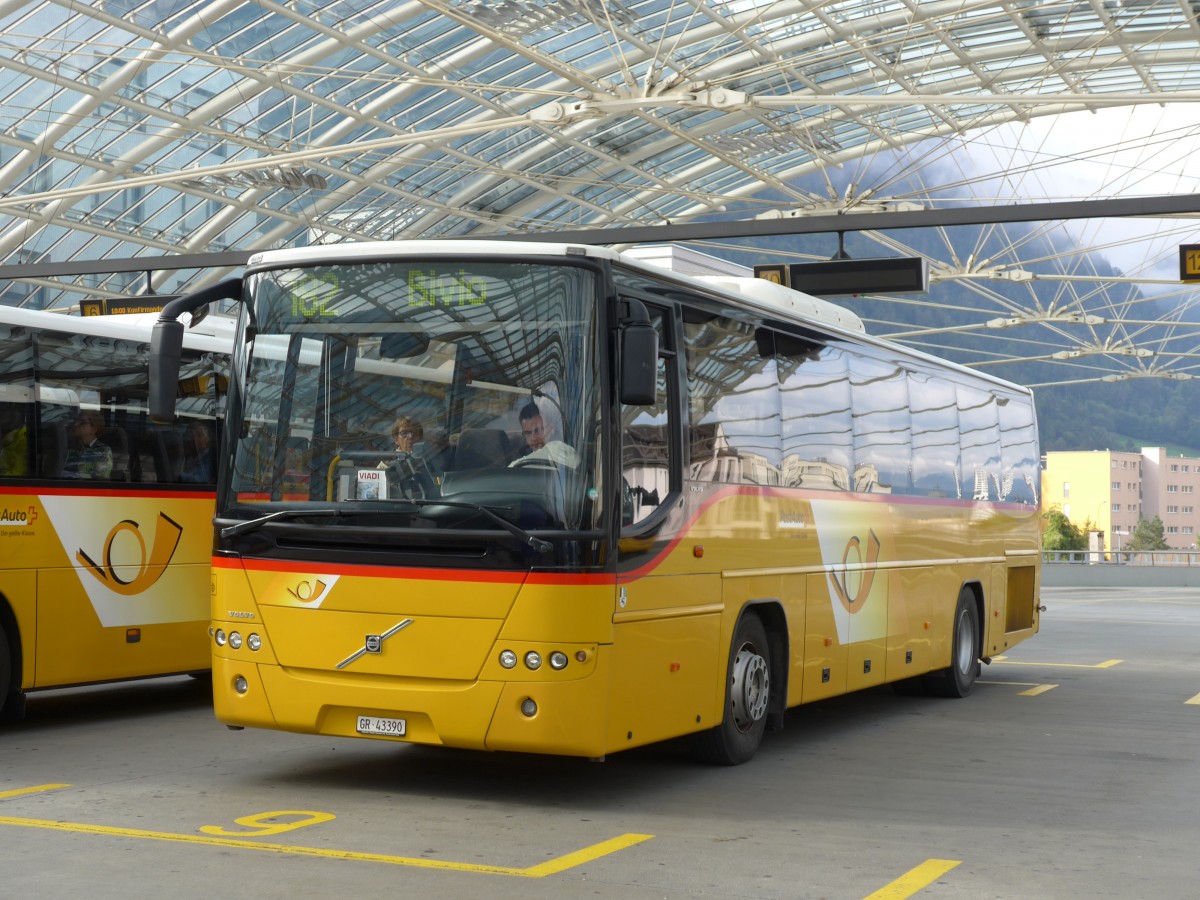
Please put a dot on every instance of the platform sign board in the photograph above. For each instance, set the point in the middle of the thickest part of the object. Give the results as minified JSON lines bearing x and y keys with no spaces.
{"x":1189,"y":263}
{"x":776,"y":274}
{"x":116,"y":306}
{"x":852,"y":276}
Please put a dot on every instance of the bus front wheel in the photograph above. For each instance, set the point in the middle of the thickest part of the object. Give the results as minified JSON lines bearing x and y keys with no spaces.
{"x":747,"y":699}
{"x":959,"y":678}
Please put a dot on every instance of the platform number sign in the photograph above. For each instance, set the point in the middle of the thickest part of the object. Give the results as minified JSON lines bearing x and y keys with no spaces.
{"x":1189,"y":263}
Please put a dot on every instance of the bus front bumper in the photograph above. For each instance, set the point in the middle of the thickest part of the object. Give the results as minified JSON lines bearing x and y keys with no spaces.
{"x":566,"y":718}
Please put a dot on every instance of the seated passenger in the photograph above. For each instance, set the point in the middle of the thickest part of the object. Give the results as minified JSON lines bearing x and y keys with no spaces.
{"x":407,"y":433}
{"x":14,"y":444}
{"x":89,"y":457}
{"x":197,"y":455}
{"x":410,"y":473}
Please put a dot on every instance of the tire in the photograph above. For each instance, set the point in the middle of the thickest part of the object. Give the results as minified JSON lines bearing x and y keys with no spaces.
{"x":6,"y":661}
{"x":959,"y":679}
{"x":747,"y":699}
{"x":12,"y":701}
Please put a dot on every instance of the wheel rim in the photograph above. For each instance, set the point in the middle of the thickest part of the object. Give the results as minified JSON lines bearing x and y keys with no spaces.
{"x":965,"y":642}
{"x":751,"y":688}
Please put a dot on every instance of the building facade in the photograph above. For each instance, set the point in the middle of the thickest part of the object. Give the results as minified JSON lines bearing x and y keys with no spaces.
{"x":1108,"y":491}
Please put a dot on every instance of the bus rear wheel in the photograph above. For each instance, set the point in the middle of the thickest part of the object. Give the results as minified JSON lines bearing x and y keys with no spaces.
{"x":12,"y":701}
{"x":747,"y":699}
{"x":959,"y":678}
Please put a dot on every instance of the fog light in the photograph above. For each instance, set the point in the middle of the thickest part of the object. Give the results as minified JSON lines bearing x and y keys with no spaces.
{"x":508,"y":659}
{"x":528,"y":707}
{"x":533,"y":660}
{"x":240,"y":685}
{"x":558,"y":660}
{"x":219,"y":637}
{"x":254,"y":642}
{"x":235,"y":640}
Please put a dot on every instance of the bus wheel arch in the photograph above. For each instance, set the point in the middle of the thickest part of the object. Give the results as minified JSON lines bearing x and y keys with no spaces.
{"x":753,"y":688}
{"x":12,"y":699}
{"x":966,"y":646}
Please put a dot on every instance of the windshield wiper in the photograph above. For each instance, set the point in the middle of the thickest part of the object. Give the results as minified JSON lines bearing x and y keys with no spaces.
{"x":531,"y":541}
{"x":253,"y":524}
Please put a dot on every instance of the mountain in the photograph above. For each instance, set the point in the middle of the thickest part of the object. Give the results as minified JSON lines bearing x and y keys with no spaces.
{"x":1123,"y":415}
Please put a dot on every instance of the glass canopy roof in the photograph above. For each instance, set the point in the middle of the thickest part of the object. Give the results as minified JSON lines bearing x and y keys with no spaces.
{"x":149,"y":129}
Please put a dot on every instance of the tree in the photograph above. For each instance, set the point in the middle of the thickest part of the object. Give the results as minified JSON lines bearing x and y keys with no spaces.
{"x":1060,"y":534}
{"x":1147,"y":535}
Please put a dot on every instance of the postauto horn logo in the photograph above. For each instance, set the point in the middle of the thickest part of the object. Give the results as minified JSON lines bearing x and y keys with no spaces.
{"x":146,"y":570}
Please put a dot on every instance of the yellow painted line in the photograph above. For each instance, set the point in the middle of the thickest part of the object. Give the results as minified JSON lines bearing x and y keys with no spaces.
{"x":541,"y":870}
{"x":1194,"y":701}
{"x":913,"y":880}
{"x":1107,"y":664}
{"x":579,"y":857}
{"x":1040,"y":689}
{"x":21,"y":792}
{"x":1034,"y":687}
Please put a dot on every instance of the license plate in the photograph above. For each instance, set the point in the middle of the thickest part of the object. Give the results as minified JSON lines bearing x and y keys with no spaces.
{"x":384,"y":727}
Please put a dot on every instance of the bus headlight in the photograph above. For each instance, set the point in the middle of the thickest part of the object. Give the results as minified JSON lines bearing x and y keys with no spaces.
{"x":508,"y":659}
{"x":558,"y":660}
{"x":219,"y":637}
{"x":235,"y":640}
{"x":254,"y":642}
{"x":533,"y":660}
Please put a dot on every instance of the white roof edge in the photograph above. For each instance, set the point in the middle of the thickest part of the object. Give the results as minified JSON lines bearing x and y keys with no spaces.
{"x":768,"y":294}
{"x":213,"y":333}
{"x":425,"y":248}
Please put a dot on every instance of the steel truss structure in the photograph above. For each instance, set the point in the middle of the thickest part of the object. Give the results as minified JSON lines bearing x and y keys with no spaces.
{"x":133,"y":129}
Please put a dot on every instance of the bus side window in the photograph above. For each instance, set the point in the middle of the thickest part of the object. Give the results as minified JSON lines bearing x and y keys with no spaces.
{"x":173,"y":452}
{"x":118,"y":442}
{"x":646,"y":441}
{"x":52,"y":449}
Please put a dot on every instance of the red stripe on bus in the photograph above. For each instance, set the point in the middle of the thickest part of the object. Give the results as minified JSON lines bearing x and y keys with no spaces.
{"x":106,"y":492}
{"x":424,"y":574}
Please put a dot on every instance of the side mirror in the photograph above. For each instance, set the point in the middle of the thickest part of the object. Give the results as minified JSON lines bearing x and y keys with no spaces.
{"x":166,"y":354}
{"x":166,"y":344}
{"x":638,"y":365}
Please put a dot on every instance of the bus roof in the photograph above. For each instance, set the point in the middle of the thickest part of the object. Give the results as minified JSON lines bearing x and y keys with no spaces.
{"x":367,"y":250}
{"x":213,"y":333}
{"x":765,"y":297}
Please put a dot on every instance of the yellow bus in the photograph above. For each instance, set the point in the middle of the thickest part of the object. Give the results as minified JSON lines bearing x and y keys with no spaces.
{"x":546,"y":498}
{"x":105,"y":517}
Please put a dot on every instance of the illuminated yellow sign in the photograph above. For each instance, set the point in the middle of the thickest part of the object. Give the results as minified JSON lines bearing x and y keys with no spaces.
{"x":1189,"y":262}
{"x":774,"y":274}
{"x":110,"y":306}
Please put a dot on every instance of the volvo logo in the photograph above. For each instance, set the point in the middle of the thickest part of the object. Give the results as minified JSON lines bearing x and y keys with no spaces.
{"x":373,"y":643}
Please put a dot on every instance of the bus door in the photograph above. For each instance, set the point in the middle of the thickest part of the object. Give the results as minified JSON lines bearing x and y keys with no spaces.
{"x":667,"y":610}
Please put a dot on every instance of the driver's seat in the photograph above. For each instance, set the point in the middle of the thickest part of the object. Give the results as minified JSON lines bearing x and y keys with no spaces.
{"x":481,"y":448}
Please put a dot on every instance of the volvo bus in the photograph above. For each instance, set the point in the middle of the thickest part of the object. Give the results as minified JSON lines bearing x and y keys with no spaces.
{"x":105,"y":517}
{"x":641,"y":506}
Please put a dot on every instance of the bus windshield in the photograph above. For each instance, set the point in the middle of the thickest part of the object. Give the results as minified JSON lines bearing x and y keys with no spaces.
{"x":438,"y":394}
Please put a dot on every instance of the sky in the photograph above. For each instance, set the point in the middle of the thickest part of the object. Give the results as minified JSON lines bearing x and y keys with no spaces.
{"x":1118,"y":152}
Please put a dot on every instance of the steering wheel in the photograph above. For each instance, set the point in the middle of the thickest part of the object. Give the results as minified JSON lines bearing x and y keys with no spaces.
{"x":538,"y":462}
